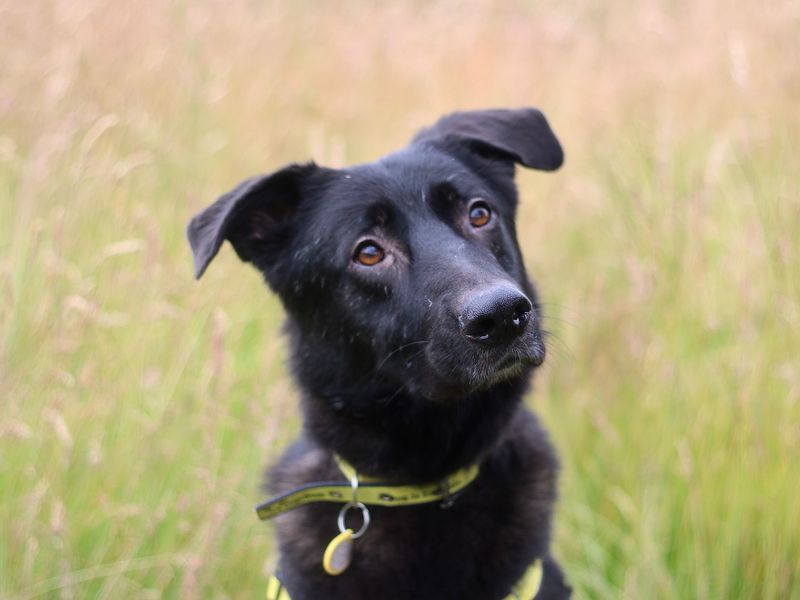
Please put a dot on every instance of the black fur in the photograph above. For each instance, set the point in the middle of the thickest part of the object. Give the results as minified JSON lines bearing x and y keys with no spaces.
{"x":413,"y":367}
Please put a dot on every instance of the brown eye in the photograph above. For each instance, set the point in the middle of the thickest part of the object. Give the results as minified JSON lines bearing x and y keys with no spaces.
{"x":368,"y":253}
{"x":479,"y":214}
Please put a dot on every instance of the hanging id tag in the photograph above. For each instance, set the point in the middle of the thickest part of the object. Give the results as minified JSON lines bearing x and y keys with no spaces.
{"x":339,"y":553}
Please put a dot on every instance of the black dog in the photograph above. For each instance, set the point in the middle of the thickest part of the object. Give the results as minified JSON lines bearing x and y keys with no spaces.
{"x":414,"y":330}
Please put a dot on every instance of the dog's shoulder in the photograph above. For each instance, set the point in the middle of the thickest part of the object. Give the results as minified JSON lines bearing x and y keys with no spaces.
{"x":524,"y":446}
{"x":303,"y":462}
{"x":525,"y":465}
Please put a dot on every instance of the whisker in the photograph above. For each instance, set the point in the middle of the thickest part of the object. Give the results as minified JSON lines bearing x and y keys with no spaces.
{"x":364,"y":378}
{"x":399,"y":349}
{"x":558,"y":346}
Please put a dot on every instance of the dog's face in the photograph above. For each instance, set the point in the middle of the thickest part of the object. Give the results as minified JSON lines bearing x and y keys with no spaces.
{"x":407,"y":270}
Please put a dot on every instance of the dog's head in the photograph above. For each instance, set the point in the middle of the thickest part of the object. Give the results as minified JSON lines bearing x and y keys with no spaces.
{"x":401,"y":275}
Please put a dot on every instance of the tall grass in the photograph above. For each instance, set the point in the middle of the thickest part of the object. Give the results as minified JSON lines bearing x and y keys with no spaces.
{"x":138,"y":407}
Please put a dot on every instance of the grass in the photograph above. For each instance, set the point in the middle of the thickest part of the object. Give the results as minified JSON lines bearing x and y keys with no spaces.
{"x":138,"y":407}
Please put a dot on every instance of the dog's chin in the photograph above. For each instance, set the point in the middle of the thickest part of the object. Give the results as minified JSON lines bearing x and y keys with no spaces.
{"x":474,"y":379}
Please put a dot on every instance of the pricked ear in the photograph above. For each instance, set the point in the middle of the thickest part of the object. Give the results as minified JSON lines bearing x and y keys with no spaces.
{"x":253,"y":216}
{"x":523,"y":136}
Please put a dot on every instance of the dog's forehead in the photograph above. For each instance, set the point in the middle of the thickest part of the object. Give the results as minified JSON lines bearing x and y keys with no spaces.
{"x":403,"y":178}
{"x":422,"y":162}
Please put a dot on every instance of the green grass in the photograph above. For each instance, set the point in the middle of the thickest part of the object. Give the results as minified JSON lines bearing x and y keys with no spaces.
{"x":138,"y":407}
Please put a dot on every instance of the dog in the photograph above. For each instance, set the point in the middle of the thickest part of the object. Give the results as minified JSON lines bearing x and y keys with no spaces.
{"x":414,"y":331}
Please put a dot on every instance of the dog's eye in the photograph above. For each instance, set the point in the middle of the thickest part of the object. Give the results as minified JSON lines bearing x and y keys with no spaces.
{"x":368,"y":253}
{"x":479,"y":214}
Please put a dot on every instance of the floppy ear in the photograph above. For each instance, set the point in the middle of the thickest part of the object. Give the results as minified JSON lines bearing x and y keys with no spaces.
{"x":521,"y":135}
{"x":254,"y":216}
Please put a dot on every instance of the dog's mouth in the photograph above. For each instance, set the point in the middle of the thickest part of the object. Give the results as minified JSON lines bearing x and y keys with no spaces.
{"x":450,"y":373}
{"x":512,"y":364}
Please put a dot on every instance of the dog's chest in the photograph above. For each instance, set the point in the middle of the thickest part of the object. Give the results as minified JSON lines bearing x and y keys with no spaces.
{"x":478,"y":548}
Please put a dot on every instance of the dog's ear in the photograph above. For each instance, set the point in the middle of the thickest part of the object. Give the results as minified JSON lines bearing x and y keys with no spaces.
{"x":522,"y":136}
{"x":254,"y":216}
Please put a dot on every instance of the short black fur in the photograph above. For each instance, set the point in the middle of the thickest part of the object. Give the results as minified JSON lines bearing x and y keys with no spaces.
{"x":413,"y":366}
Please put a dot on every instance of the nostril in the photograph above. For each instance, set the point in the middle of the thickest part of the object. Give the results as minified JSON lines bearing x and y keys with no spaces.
{"x":480,"y":329}
{"x":520,"y":313}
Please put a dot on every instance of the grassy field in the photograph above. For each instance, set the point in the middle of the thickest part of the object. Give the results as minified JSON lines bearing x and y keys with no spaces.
{"x":137,"y":407}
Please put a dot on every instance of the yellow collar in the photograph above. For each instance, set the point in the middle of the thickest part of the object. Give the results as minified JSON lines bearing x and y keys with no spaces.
{"x":371,"y":492}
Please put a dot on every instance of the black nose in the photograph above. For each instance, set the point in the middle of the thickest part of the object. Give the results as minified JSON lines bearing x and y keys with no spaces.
{"x":495,"y":316}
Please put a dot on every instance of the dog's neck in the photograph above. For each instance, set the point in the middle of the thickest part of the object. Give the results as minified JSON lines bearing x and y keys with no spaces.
{"x":414,"y":439}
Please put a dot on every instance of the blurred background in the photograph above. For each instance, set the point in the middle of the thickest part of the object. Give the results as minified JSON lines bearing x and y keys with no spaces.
{"x":138,"y":407}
